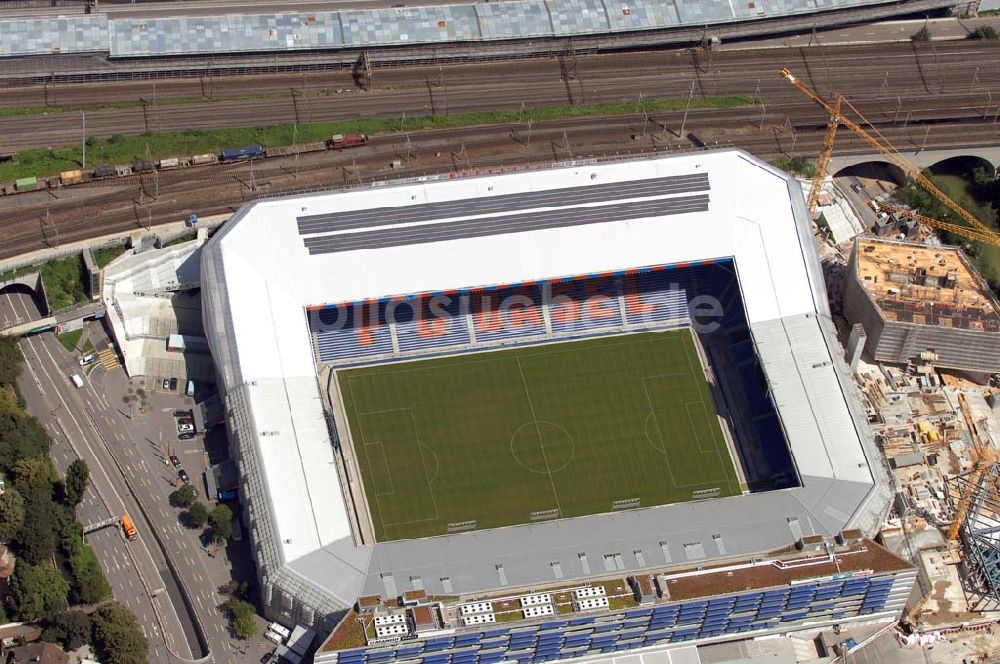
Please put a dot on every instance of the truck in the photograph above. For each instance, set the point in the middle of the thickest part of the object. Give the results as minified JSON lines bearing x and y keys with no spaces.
{"x":245,"y":152}
{"x":128,"y":527}
{"x":342,"y":141}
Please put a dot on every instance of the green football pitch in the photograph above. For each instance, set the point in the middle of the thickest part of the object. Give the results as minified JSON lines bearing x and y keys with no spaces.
{"x":506,"y":437}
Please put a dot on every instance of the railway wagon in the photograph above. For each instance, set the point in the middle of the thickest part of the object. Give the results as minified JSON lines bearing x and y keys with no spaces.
{"x":71,"y":177}
{"x":102,"y":172}
{"x":288,"y":150}
{"x":342,"y":141}
{"x":172,"y":162}
{"x":26,"y":184}
{"x":203,"y":159}
{"x":245,"y":152}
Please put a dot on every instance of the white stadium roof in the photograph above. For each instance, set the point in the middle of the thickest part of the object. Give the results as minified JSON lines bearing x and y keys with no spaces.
{"x":260,"y":274}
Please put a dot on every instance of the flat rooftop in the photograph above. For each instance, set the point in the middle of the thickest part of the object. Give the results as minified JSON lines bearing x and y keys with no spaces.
{"x":821,"y":561}
{"x":914,"y":283}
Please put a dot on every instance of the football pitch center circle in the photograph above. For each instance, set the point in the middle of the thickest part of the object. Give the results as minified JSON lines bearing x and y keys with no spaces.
{"x":542,"y":447}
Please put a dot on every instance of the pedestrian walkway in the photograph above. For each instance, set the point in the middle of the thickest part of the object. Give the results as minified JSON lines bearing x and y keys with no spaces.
{"x":109,"y":359}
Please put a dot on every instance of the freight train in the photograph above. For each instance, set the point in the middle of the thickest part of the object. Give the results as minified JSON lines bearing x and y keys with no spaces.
{"x":229,"y":155}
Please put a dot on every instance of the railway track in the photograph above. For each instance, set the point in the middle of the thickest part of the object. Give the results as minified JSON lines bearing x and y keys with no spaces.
{"x":932,"y":81}
{"x":908,"y":88}
{"x":40,"y":219}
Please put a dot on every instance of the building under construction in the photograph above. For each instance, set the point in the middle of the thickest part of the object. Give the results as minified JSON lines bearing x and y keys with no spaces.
{"x":913,"y":299}
{"x":979,"y":535}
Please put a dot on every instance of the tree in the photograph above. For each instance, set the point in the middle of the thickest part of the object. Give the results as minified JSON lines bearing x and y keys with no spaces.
{"x":71,"y":629}
{"x":184,"y":496}
{"x":10,"y":360}
{"x":241,"y":620}
{"x":77,"y":477}
{"x":36,"y":540}
{"x":197,"y":515}
{"x":984,"y":32}
{"x":117,"y":636}
{"x":11,"y":514}
{"x":21,"y":436}
{"x":33,"y":472}
{"x":88,"y":585}
{"x":36,"y":592}
{"x":221,"y":521}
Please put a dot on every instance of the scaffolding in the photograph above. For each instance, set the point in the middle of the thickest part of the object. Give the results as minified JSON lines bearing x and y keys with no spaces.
{"x":980,"y":536}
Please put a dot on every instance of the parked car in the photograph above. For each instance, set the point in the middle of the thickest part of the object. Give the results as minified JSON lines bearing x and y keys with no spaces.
{"x":185,"y":428}
{"x":186,"y":435}
{"x":173,"y":384}
{"x":206,"y":539}
{"x":182,"y":474}
{"x":174,"y":460}
{"x":857,"y":188}
{"x":182,"y":413}
{"x":166,"y":383}
{"x":89,"y":358}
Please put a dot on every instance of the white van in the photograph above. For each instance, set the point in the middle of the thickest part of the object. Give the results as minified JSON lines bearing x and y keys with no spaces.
{"x":77,"y":380}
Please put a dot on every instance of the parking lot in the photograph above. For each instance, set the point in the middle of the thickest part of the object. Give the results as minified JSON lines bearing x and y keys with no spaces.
{"x":158,"y":434}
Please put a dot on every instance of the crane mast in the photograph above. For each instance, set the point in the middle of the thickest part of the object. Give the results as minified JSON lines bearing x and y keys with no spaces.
{"x":889,"y":151}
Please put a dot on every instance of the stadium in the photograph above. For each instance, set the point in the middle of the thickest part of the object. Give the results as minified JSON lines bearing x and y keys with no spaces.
{"x":498,"y":381}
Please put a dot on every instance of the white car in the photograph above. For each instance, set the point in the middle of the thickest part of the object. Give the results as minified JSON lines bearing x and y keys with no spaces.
{"x":181,"y":428}
{"x":89,"y":358}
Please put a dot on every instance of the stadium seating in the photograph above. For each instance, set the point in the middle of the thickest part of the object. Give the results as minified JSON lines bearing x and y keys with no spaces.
{"x":350,"y":332}
{"x":642,"y":299}
{"x":624,"y":630}
{"x":585,"y":304}
{"x":507,"y":313}
{"x":431,"y":322}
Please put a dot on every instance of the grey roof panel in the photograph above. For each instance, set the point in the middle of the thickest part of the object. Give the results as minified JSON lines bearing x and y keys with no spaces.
{"x":497,"y":225}
{"x":613,"y":191}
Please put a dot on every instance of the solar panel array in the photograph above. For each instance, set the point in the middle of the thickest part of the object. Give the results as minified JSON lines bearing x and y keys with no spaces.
{"x":478,"y":22}
{"x":374,"y":228}
{"x":674,"y":622}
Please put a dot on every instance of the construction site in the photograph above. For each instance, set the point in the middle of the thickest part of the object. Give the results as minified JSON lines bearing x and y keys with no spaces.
{"x":922,"y":332}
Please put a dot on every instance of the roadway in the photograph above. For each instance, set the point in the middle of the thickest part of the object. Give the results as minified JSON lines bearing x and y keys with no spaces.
{"x":134,"y":569}
{"x":104,"y":418}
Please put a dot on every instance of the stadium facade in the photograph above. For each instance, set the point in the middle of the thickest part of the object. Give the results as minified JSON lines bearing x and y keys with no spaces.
{"x":714,"y":223}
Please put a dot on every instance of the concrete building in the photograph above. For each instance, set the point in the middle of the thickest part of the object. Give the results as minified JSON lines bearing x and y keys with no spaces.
{"x":913,"y":299}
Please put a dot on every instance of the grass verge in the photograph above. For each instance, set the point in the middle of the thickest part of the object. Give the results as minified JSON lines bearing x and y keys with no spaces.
{"x":104,"y":256}
{"x":63,"y":280}
{"x":42,"y":162}
{"x":69,"y":340}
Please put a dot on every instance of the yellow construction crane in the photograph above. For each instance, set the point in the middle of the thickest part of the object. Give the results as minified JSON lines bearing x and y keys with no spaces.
{"x":987,"y":237}
{"x":977,"y":230}
{"x":985,"y":457}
